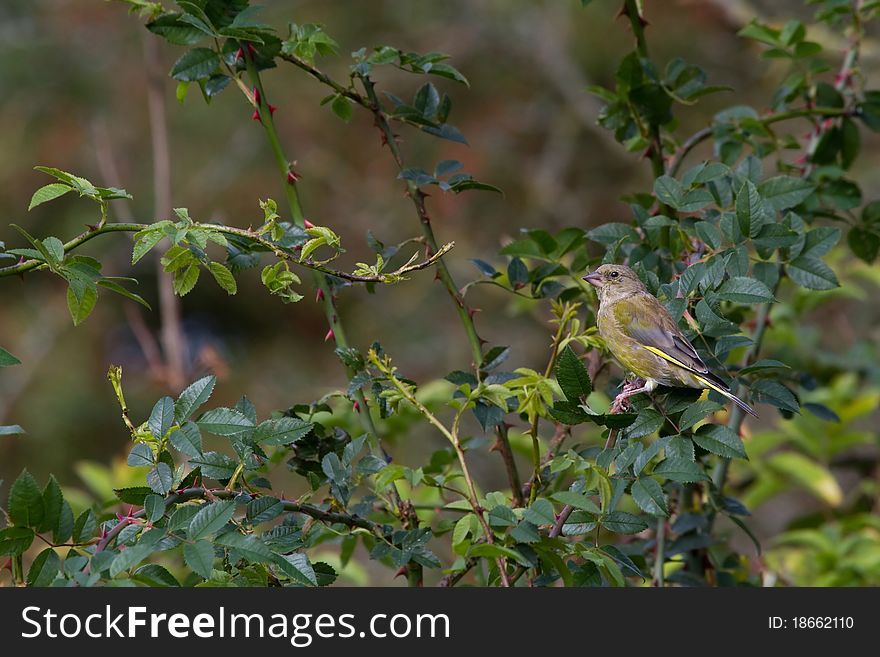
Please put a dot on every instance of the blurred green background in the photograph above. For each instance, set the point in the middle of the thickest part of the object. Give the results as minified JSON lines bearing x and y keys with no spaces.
{"x":74,"y":96}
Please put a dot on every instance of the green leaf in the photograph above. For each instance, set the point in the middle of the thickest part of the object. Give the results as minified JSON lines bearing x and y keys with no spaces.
{"x":720,"y":440}
{"x":144,"y":241}
{"x":577,"y":500}
{"x":695,"y":412}
{"x":540,"y":512}
{"x":775,"y":394}
{"x":129,"y":558}
{"x":211,"y":518}
{"x":224,"y":277}
{"x":668,"y":191}
{"x":48,"y":193}
{"x":154,"y":575}
{"x":264,"y":509}
{"x":193,"y":396}
{"x":214,"y":465}
{"x":680,"y":470}
{"x":141,"y":455}
{"x":115,"y":287}
{"x":172,"y":29}
{"x":248,"y":546}
{"x":648,"y":494}
{"x":811,"y":273}
{"x":647,"y":422}
{"x":196,"y":64}
{"x":342,"y":107}
{"x":154,"y":506}
{"x":81,"y":302}
{"x":161,"y":478}
{"x":15,"y":541}
{"x":745,"y":290}
{"x":282,"y":431}
{"x":494,"y":551}
{"x":25,"y":506}
{"x":783,"y":192}
{"x":199,"y":556}
{"x":224,"y":422}
{"x":621,"y":522}
{"x":820,"y":241}
{"x":161,"y":417}
{"x":297,"y":567}
{"x":53,"y":505}
{"x":7,"y":359}
{"x":572,"y":376}
{"x":865,"y":244}
{"x":185,"y":280}
{"x":749,"y":210}
{"x":187,"y":439}
{"x":44,"y":569}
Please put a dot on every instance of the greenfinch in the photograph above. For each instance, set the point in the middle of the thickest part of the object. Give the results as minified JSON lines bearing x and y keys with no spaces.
{"x":645,"y":340}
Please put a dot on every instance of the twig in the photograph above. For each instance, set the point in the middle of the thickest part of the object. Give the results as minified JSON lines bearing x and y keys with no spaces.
{"x":560,"y":520}
{"x":268,"y":245}
{"x":502,"y":446}
{"x":659,"y":557}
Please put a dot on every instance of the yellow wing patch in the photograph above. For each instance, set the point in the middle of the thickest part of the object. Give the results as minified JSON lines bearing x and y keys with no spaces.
{"x":666,"y":356}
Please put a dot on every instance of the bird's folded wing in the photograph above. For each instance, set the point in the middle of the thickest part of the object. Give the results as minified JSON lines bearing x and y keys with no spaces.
{"x":647,"y":321}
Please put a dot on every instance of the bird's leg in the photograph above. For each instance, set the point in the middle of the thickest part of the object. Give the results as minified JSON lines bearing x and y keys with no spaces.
{"x":630,"y":389}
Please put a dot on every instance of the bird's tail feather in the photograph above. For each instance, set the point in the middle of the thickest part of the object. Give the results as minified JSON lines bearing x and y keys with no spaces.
{"x":717,"y":388}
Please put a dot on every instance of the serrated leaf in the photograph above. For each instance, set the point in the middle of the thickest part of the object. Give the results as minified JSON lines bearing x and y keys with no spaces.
{"x":749,"y":210}
{"x":248,"y":546}
{"x":81,"y":302}
{"x":48,"y":193}
{"x":572,"y":375}
{"x":155,"y":576}
{"x":199,"y":556}
{"x":187,"y":439}
{"x":297,"y":567}
{"x":25,"y":505}
{"x":224,"y":422}
{"x":161,"y":478}
{"x":145,"y":241}
{"x":784,"y":192}
{"x":811,"y":273}
{"x":194,"y":65}
{"x":214,"y":465}
{"x":154,"y":507}
{"x":577,"y":500}
{"x":161,"y":417}
{"x":621,"y":522}
{"x":44,"y":569}
{"x":282,"y":431}
{"x":210,"y":519}
{"x":680,"y":470}
{"x":745,"y":290}
{"x":15,"y":541}
{"x":648,"y":494}
{"x":720,"y":440}
{"x":141,"y":455}
{"x":224,"y":277}
{"x":193,"y":396}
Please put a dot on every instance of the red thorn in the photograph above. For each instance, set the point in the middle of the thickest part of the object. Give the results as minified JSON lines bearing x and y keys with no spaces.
{"x":319,"y":295}
{"x":482,"y":341}
{"x":251,"y":49}
{"x":256,"y":96}
{"x":308,"y":224}
{"x":400,"y":572}
{"x":239,"y":54}
{"x":330,"y":335}
{"x":292,"y":177}
{"x":256,"y":116}
{"x":356,"y":407}
{"x":272,"y":109}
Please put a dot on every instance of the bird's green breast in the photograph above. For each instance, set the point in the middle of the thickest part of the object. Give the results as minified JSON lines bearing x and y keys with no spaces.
{"x":613,"y":321}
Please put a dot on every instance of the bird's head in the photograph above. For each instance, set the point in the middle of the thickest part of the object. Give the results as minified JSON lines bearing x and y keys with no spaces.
{"x":615,"y":281}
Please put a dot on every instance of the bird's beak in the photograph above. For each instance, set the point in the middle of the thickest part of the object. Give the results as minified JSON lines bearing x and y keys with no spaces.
{"x":593,"y":279}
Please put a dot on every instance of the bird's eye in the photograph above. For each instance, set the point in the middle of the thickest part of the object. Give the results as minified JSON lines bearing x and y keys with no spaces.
{"x":614,"y":274}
